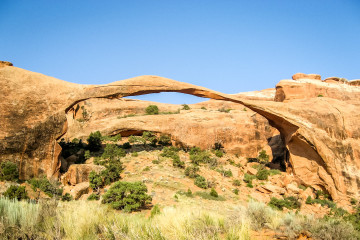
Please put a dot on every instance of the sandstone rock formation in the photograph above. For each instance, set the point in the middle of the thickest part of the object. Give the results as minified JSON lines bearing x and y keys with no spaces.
{"x":320,"y":133}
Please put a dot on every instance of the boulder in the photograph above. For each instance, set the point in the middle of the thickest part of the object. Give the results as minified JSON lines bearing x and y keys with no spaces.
{"x":297,"y":76}
{"x":79,"y":173}
{"x":78,"y":190}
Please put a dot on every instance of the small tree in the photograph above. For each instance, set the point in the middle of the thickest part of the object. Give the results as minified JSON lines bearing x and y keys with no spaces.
{"x":152,"y":110}
{"x":201,"y":182}
{"x":129,"y":196}
{"x":95,"y":180}
{"x":16,"y":192}
{"x":185,"y":107}
{"x":191,"y":171}
{"x":9,"y":171}
{"x":214,"y":193}
{"x":94,"y":141}
{"x":263,"y":157}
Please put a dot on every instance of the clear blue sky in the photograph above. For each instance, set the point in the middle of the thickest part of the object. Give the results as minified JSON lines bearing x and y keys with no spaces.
{"x":229,"y":46}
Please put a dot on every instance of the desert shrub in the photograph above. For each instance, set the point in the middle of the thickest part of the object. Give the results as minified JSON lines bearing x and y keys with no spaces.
{"x":9,"y":171}
{"x":129,"y":196}
{"x":87,"y":154}
{"x":353,"y":201}
{"x":236,"y":191}
{"x":219,"y":153}
{"x":112,"y":171}
{"x":191,"y":171}
{"x":185,"y":107}
{"x":333,"y":229}
{"x":203,"y":108}
{"x":16,"y":192}
{"x":274,"y":172}
{"x":165,"y":140}
{"x":249,"y":185}
{"x":188,"y":193}
{"x":137,"y":139}
{"x":208,"y":196}
{"x":224,"y":110}
{"x":93,"y":197}
{"x":213,"y":193}
{"x":66,"y":197}
{"x":94,"y":141}
{"x":225,"y":173}
{"x":50,"y":188}
{"x":236,"y":182}
{"x":155,"y":161}
{"x":248,"y":178}
{"x":134,"y":154}
{"x":155,"y":211}
{"x":263,"y":157}
{"x":302,"y":187}
{"x":250,"y":160}
{"x":150,"y":137}
{"x":95,"y":180}
{"x":152,"y":110}
{"x":177,"y":162}
{"x":198,"y":156}
{"x":259,"y":214}
{"x":262,"y":174}
{"x":322,"y":199}
{"x":288,"y":202}
{"x":146,"y":169}
{"x":126,"y":145}
{"x":201,"y":182}
{"x":114,"y":138}
{"x":320,"y":95}
{"x":113,"y":152}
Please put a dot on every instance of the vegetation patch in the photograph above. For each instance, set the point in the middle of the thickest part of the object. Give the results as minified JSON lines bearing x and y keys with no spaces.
{"x":152,"y":110}
{"x":50,"y":188}
{"x":9,"y":171}
{"x":208,"y":196}
{"x":16,"y":192}
{"x":287,"y":202}
{"x":129,"y":196}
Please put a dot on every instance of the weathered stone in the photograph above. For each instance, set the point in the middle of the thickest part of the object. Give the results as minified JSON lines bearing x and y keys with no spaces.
{"x":79,"y":173}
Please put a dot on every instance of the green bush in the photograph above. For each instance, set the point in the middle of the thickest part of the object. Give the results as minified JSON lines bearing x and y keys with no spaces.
{"x":46,"y":186}
{"x":185,"y":107}
{"x":225,"y":173}
{"x":114,"y":138}
{"x":134,"y":154}
{"x":287,"y":202}
{"x":262,"y":174}
{"x":146,"y":169}
{"x":87,"y":154}
{"x":95,"y":180}
{"x":149,"y":137}
{"x":112,"y":172}
{"x":236,"y":182}
{"x":93,"y":197}
{"x":198,"y":156}
{"x":165,"y":140}
{"x":16,"y":192}
{"x":66,"y":197}
{"x":137,"y":139}
{"x":191,"y":171}
{"x":224,"y":110}
{"x":236,"y":191}
{"x":213,"y":193}
{"x":113,"y":152}
{"x":152,"y":110}
{"x":177,"y":162}
{"x":249,"y":185}
{"x":206,"y":195}
{"x":9,"y":171}
{"x":201,"y":182}
{"x":248,"y":178}
{"x":203,"y":108}
{"x":263,"y":157}
{"x":219,"y":153}
{"x":94,"y":141}
{"x":322,"y":199}
{"x":129,"y":196}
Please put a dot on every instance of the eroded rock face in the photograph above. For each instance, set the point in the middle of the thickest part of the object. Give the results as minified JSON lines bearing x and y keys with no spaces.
{"x":306,"y":88}
{"x":241,"y":131}
{"x":321,"y":133}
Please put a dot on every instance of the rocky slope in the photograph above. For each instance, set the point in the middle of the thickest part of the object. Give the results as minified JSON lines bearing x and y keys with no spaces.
{"x":320,"y":133}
